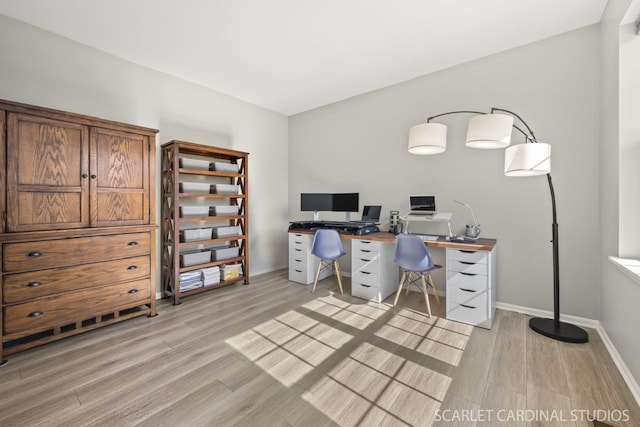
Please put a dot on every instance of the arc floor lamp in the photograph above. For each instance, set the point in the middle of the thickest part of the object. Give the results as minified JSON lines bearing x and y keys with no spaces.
{"x":493,"y":130}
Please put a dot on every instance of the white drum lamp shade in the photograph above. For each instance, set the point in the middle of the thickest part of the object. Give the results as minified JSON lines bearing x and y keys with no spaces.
{"x":527,"y":159}
{"x":489,"y":131}
{"x":428,"y":138}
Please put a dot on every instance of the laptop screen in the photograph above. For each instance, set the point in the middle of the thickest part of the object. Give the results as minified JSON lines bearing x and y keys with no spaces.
{"x":423,"y":203}
{"x":371,"y":213}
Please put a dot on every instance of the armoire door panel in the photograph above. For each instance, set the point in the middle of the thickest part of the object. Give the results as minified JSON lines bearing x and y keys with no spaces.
{"x":47,"y":188}
{"x":119,"y":184}
{"x":48,"y":210}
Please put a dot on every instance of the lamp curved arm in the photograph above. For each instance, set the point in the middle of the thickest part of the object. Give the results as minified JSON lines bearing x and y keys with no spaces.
{"x":454,"y":112}
{"x":530,"y":136}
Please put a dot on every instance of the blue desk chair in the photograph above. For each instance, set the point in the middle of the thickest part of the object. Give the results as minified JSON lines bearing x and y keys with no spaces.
{"x":413,"y":258}
{"x":328,"y":247}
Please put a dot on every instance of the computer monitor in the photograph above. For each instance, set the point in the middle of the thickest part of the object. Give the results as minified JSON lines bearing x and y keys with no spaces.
{"x":422,"y":203}
{"x":346,"y":202}
{"x":316,"y":202}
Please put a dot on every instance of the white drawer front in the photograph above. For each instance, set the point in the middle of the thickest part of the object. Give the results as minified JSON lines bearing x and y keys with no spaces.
{"x":467,"y":314}
{"x":368,"y":292}
{"x":300,"y":241}
{"x":365,"y":245}
{"x":466,"y":267}
{"x":474,"y":282}
{"x":365,"y":278}
{"x":299,"y":264}
{"x":467,"y":256}
{"x":367,"y":262}
{"x":476,"y":299}
{"x":297,"y":275}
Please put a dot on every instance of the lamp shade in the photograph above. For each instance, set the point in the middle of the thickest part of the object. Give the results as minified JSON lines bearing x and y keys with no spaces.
{"x":428,"y":138}
{"x":527,"y":159}
{"x":489,"y":131}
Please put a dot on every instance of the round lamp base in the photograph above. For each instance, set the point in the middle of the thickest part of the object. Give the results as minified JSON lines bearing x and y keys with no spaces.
{"x":559,"y":331}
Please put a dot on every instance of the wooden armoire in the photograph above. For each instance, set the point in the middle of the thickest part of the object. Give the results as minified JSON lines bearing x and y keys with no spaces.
{"x":77,"y":238}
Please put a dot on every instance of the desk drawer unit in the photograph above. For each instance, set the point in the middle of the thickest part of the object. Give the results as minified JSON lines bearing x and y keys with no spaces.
{"x":374,"y":274}
{"x":302,"y":263}
{"x":471,"y":286}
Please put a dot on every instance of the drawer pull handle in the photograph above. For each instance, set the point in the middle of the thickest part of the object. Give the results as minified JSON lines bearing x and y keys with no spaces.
{"x":132,"y":291}
{"x":34,"y":254}
{"x":365,"y":272}
{"x":468,"y":274}
{"x":132,"y":267}
{"x":132,"y":244}
{"x":363,"y":285}
{"x":34,"y":284}
{"x":365,"y":260}
{"x":365,"y":250}
{"x":467,"y":252}
{"x":299,"y":271}
{"x":467,"y":263}
{"x":35,"y":314}
{"x":467,"y":290}
{"x":299,"y":250}
{"x":365,"y":242}
{"x":468,"y":306}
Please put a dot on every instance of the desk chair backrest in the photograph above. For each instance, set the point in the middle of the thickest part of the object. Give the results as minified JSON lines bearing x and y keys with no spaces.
{"x":327,"y":245}
{"x":412,"y":253}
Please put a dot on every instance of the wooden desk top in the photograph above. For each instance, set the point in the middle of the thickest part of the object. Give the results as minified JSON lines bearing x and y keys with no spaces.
{"x":482,"y":244}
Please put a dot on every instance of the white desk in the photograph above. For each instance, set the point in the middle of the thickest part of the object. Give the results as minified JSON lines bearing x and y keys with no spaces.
{"x":470,"y":272}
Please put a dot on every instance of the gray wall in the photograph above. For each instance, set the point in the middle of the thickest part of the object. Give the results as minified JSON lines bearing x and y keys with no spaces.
{"x":43,"y":69}
{"x":620,"y":50}
{"x":360,"y":144}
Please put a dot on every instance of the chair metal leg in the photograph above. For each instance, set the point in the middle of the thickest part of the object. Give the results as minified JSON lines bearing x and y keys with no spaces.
{"x":435,"y":292}
{"x":404,"y":274}
{"x":408,"y":284}
{"x":315,"y":282}
{"x":426,"y":294}
{"x":339,"y":274}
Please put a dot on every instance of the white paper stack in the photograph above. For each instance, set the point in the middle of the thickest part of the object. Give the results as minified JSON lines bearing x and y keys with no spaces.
{"x":211,"y":275}
{"x":191,"y":280}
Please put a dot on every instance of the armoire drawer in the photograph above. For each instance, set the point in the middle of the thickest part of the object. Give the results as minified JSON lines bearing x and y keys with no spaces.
{"x":72,"y":307}
{"x":35,"y":284}
{"x":27,"y":256}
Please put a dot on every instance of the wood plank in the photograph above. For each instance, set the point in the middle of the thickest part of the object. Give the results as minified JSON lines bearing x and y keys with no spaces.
{"x":274,"y":354}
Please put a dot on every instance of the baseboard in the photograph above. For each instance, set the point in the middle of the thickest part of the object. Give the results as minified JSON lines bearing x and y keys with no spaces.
{"x":587,"y":323}
{"x":622,"y":367}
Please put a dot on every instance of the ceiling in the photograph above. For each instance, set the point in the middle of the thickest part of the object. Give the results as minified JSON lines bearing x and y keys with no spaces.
{"x":290,"y":56}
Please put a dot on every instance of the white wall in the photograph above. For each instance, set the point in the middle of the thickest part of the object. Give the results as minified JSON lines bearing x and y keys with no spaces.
{"x":620,"y":50}
{"x":360,"y":144}
{"x":40,"y":68}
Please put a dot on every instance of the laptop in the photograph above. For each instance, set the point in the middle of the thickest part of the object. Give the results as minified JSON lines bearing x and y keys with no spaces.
{"x":422,"y":205}
{"x":370,"y":215}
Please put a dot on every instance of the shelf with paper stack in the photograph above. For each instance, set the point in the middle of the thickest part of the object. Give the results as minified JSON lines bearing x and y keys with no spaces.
{"x":204,"y":218}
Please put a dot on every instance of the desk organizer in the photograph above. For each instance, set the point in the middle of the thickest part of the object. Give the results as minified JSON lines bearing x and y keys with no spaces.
{"x":190,"y":258}
{"x":194,"y":164}
{"x":193,"y":211}
{"x":195,"y":187}
{"x":226,"y":231}
{"x":224,"y":210}
{"x":223,"y":167}
{"x":195,"y":234}
{"x":225,"y":189}
{"x":220,"y":253}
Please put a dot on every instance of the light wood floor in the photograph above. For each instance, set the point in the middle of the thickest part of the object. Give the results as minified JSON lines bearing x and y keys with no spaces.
{"x":273,"y":354}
